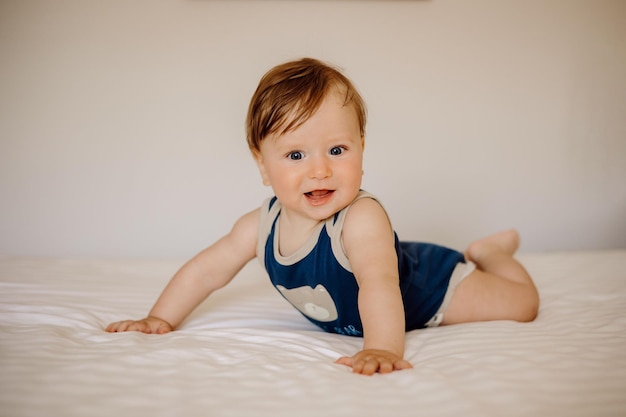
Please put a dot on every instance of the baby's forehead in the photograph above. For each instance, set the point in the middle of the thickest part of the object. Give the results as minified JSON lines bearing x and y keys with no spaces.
{"x":320,"y":131}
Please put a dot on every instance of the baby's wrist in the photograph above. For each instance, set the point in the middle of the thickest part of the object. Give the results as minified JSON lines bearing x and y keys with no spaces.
{"x":151,"y":317}
{"x":396,"y":352}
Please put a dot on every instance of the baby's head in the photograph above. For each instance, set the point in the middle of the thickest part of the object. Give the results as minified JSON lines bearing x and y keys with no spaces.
{"x":290,"y":93}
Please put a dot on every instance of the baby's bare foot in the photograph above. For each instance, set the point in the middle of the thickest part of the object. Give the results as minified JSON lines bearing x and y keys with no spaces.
{"x":506,"y":241}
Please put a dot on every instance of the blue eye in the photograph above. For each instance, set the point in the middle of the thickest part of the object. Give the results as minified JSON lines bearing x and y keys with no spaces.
{"x":295,"y":155}
{"x":337,"y":150}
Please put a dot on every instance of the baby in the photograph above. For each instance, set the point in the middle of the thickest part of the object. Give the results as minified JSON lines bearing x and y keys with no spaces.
{"x":329,"y":246}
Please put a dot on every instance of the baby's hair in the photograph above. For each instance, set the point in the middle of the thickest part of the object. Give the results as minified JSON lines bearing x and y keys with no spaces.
{"x":290,"y":93}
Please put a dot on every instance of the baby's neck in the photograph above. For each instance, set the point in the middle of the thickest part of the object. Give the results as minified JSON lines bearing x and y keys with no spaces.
{"x":294,"y":231}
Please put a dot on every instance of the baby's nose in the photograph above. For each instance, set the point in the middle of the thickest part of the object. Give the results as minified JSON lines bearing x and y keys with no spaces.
{"x":320,"y":168}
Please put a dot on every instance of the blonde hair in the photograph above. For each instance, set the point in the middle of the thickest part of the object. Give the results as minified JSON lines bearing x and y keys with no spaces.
{"x":290,"y":93}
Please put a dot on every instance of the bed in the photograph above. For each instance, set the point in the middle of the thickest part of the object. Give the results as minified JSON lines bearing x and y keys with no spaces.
{"x":246,"y":352}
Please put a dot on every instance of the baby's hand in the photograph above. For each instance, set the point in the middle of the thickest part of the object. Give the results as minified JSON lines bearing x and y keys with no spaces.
{"x":150,"y":324}
{"x":368,"y":362}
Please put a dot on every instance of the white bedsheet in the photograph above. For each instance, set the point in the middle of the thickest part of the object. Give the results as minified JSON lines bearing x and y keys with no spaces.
{"x":246,"y":352}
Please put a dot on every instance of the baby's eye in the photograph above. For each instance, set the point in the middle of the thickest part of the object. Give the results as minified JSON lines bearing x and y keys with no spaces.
{"x":337,"y":150}
{"x":295,"y":155}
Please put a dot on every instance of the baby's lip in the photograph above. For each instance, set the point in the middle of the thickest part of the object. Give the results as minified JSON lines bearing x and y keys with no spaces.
{"x":319,"y":193}
{"x":319,"y":197}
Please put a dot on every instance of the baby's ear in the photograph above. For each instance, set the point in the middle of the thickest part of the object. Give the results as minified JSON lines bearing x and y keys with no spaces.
{"x":260,"y":163}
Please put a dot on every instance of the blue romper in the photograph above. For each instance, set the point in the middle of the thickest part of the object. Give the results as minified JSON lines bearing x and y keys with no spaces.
{"x":318,"y":281}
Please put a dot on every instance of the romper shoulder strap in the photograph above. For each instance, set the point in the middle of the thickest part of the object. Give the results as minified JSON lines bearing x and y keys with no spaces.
{"x":334,"y":228}
{"x":269,"y":212}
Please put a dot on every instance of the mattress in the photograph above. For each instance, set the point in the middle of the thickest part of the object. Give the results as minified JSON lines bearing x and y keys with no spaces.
{"x":246,"y":352}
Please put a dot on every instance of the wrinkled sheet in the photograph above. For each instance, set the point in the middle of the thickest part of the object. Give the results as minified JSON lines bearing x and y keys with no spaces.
{"x":246,"y":352}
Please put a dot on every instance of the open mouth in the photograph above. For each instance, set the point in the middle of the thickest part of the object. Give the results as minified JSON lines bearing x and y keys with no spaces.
{"x":319,"y":196}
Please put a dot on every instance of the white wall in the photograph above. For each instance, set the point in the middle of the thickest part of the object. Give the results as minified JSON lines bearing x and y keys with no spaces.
{"x":121,"y":121}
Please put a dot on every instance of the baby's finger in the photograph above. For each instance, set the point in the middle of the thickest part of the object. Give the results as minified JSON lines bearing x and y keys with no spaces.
{"x":345,"y":360}
{"x":366,"y":367}
{"x":125,"y":325}
{"x":138,"y":326}
{"x":118,"y":326}
{"x":386,"y":367}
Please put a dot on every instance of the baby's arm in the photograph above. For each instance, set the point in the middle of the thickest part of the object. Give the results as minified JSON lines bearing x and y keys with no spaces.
{"x":368,"y":240}
{"x":208,"y":271}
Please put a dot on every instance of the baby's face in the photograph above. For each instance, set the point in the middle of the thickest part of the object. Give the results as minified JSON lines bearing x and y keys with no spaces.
{"x":316,"y":169}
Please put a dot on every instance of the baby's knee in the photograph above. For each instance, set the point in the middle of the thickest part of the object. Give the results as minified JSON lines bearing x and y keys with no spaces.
{"x":529,"y":307}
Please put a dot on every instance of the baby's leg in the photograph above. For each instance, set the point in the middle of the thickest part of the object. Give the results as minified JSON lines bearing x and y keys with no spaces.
{"x":499,"y":289}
